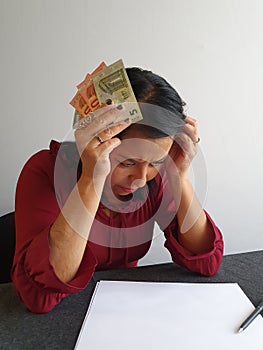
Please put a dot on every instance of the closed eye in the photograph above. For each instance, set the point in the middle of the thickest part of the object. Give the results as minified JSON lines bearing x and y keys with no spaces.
{"x":127,"y":163}
{"x":158,"y":162}
{"x":130,"y":162}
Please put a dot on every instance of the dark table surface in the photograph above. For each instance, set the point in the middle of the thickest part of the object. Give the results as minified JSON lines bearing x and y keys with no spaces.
{"x":59,"y":329}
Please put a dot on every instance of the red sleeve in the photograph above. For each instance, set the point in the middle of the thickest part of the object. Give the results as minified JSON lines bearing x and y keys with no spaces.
{"x":35,"y":211}
{"x":206,"y":264}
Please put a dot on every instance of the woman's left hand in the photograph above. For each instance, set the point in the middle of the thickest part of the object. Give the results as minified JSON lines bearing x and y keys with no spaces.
{"x":184,"y":148}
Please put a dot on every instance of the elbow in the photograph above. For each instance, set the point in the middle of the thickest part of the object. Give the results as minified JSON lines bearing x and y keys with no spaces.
{"x":36,"y":299}
{"x":39,"y":309}
{"x":38,"y":304}
{"x":212,"y":266}
{"x":41,"y":304}
{"x":210,"y":271}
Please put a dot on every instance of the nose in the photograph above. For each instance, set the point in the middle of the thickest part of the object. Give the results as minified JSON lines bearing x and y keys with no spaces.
{"x":139,"y":176}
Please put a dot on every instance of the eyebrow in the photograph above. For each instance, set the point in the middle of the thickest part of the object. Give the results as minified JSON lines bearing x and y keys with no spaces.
{"x":134,"y":160}
{"x":159,"y":160}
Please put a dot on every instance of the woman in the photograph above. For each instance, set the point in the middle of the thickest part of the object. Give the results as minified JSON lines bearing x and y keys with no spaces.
{"x":73,"y":218}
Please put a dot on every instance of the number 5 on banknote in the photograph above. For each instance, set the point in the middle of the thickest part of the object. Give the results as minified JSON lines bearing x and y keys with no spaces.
{"x":112,"y":82}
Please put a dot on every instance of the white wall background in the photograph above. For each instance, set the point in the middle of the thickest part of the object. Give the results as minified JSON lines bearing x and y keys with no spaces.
{"x":210,"y":50}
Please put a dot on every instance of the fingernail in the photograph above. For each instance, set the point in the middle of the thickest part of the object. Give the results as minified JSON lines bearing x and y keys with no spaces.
{"x":125,"y":121}
{"x":119,"y":107}
{"x":111,"y":123}
{"x":108,"y":101}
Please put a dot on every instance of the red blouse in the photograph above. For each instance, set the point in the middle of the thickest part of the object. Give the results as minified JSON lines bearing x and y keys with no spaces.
{"x":115,"y":242}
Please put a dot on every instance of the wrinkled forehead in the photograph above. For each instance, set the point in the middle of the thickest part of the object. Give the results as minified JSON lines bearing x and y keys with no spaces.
{"x":145,"y":149}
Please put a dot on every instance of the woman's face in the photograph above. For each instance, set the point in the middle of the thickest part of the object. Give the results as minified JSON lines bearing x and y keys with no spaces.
{"x":136,"y":161}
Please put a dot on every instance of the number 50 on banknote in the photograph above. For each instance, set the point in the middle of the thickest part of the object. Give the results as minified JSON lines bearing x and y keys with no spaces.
{"x":108,"y":82}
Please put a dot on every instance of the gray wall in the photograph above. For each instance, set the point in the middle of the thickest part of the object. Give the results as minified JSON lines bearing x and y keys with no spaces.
{"x":211,"y":51}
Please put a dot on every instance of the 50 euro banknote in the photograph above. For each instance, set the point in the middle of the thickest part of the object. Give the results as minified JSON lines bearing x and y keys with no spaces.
{"x":85,"y":100}
{"x":106,"y":83}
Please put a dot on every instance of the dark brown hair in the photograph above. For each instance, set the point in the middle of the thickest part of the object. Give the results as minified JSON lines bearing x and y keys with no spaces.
{"x":161,"y":106}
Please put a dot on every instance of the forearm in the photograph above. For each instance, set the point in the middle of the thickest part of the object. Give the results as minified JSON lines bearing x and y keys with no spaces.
{"x":195,"y":231}
{"x":70,"y":231}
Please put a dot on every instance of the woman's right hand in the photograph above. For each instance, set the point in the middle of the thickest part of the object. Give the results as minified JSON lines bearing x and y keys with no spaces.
{"x":96,"y":140}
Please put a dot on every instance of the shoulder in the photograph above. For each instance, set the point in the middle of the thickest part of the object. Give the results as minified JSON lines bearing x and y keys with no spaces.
{"x":42,"y":161}
{"x":49,"y":153}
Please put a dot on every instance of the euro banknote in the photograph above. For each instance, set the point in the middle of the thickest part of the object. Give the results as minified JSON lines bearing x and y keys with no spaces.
{"x":85,"y":100}
{"x":112,"y":82}
{"x":105,"y":83}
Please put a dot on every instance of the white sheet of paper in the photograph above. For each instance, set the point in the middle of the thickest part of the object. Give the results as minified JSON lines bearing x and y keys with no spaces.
{"x":160,"y":316}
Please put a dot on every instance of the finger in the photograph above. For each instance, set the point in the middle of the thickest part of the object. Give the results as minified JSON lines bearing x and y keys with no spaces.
{"x":101,"y":119}
{"x":108,"y":146}
{"x":109,"y":115}
{"x":115,"y":129}
{"x":104,"y":115}
{"x":182,"y":141}
{"x":190,"y":128}
{"x":107,"y":134}
{"x":90,"y":117}
{"x":191,"y":121}
{"x":191,"y":131}
{"x":185,"y":143}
